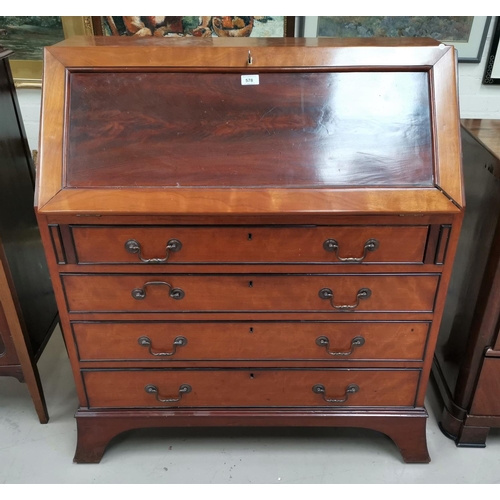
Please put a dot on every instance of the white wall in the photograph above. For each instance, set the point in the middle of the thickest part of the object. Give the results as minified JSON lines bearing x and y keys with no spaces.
{"x":29,"y":101}
{"x":476,"y":100}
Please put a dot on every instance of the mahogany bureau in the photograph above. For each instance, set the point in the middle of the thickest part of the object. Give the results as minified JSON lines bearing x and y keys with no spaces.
{"x":250,"y":232}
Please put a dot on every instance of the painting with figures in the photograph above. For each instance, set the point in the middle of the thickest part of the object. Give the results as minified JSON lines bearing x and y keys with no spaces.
{"x":199,"y":26}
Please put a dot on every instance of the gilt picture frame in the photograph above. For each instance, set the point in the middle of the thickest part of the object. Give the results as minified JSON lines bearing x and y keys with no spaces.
{"x":466,"y":34}
{"x":27,"y":72}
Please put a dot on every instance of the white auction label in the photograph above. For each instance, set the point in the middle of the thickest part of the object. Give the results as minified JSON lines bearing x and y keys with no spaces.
{"x":249,"y":79}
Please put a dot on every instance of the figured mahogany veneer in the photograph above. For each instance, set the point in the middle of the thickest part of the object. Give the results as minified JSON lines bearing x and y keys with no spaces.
{"x":271,"y":254}
{"x":236,"y":132}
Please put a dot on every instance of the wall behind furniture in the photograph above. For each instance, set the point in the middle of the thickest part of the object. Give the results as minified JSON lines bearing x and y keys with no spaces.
{"x":29,"y":101}
{"x":476,"y":100}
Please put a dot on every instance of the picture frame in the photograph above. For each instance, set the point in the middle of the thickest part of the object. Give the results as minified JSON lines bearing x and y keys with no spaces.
{"x":201,"y":26}
{"x":492,"y":68}
{"x":469,"y":51}
{"x":27,"y":73}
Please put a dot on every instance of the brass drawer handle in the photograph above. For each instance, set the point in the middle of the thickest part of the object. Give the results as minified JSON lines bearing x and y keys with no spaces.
{"x":332,"y":245}
{"x":325,"y":342}
{"x":140,"y":293}
{"x":350,"y":389}
{"x":327,"y":294}
{"x":133,"y":246}
{"x":183,"y":389}
{"x":178,"y":342}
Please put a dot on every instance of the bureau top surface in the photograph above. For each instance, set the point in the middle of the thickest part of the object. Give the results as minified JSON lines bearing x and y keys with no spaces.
{"x":249,"y":126}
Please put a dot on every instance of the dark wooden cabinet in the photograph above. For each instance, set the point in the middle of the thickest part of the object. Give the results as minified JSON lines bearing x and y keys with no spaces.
{"x":467,"y":361}
{"x":250,"y":232}
{"x":28,"y":311}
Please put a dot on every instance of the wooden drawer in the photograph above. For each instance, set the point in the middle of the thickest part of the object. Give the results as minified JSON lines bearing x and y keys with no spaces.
{"x":218,"y":293}
{"x":487,"y":396}
{"x":233,"y":388}
{"x":108,"y":245}
{"x":336,"y":341}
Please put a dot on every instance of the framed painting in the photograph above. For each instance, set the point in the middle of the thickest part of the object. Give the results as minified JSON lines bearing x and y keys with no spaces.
{"x":492,"y":69}
{"x":466,"y":33}
{"x":200,"y":26}
{"x":27,"y":35}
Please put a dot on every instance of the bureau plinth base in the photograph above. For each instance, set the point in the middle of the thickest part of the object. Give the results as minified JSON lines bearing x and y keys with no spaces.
{"x":97,"y":428}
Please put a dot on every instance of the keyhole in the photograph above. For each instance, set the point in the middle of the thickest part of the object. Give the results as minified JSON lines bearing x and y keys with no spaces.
{"x":250,"y":284}
{"x":251,"y":375}
{"x":251,"y":329}
{"x":249,"y":236}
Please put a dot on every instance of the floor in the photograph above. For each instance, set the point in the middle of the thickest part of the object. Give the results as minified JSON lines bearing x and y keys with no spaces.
{"x":34,"y":453}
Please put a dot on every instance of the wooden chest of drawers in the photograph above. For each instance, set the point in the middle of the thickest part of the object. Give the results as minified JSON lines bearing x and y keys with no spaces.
{"x":272,"y":254}
{"x":467,"y":359}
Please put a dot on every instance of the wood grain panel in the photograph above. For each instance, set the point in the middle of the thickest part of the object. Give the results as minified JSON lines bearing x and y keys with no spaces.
{"x":486,"y":400}
{"x":244,"y":202}
{"x":250,"y":340}
{"x":282,"y":53}
{"x":230,"y":388}
{"x":50,"y":167}
{"x":449,"y":176}
{"x":315,"y":129}
{"x":216,"y":293}
{"x":401,"y":244}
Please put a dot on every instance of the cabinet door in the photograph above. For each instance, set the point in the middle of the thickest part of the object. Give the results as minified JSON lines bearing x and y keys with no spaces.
{"x":19,"y":233}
